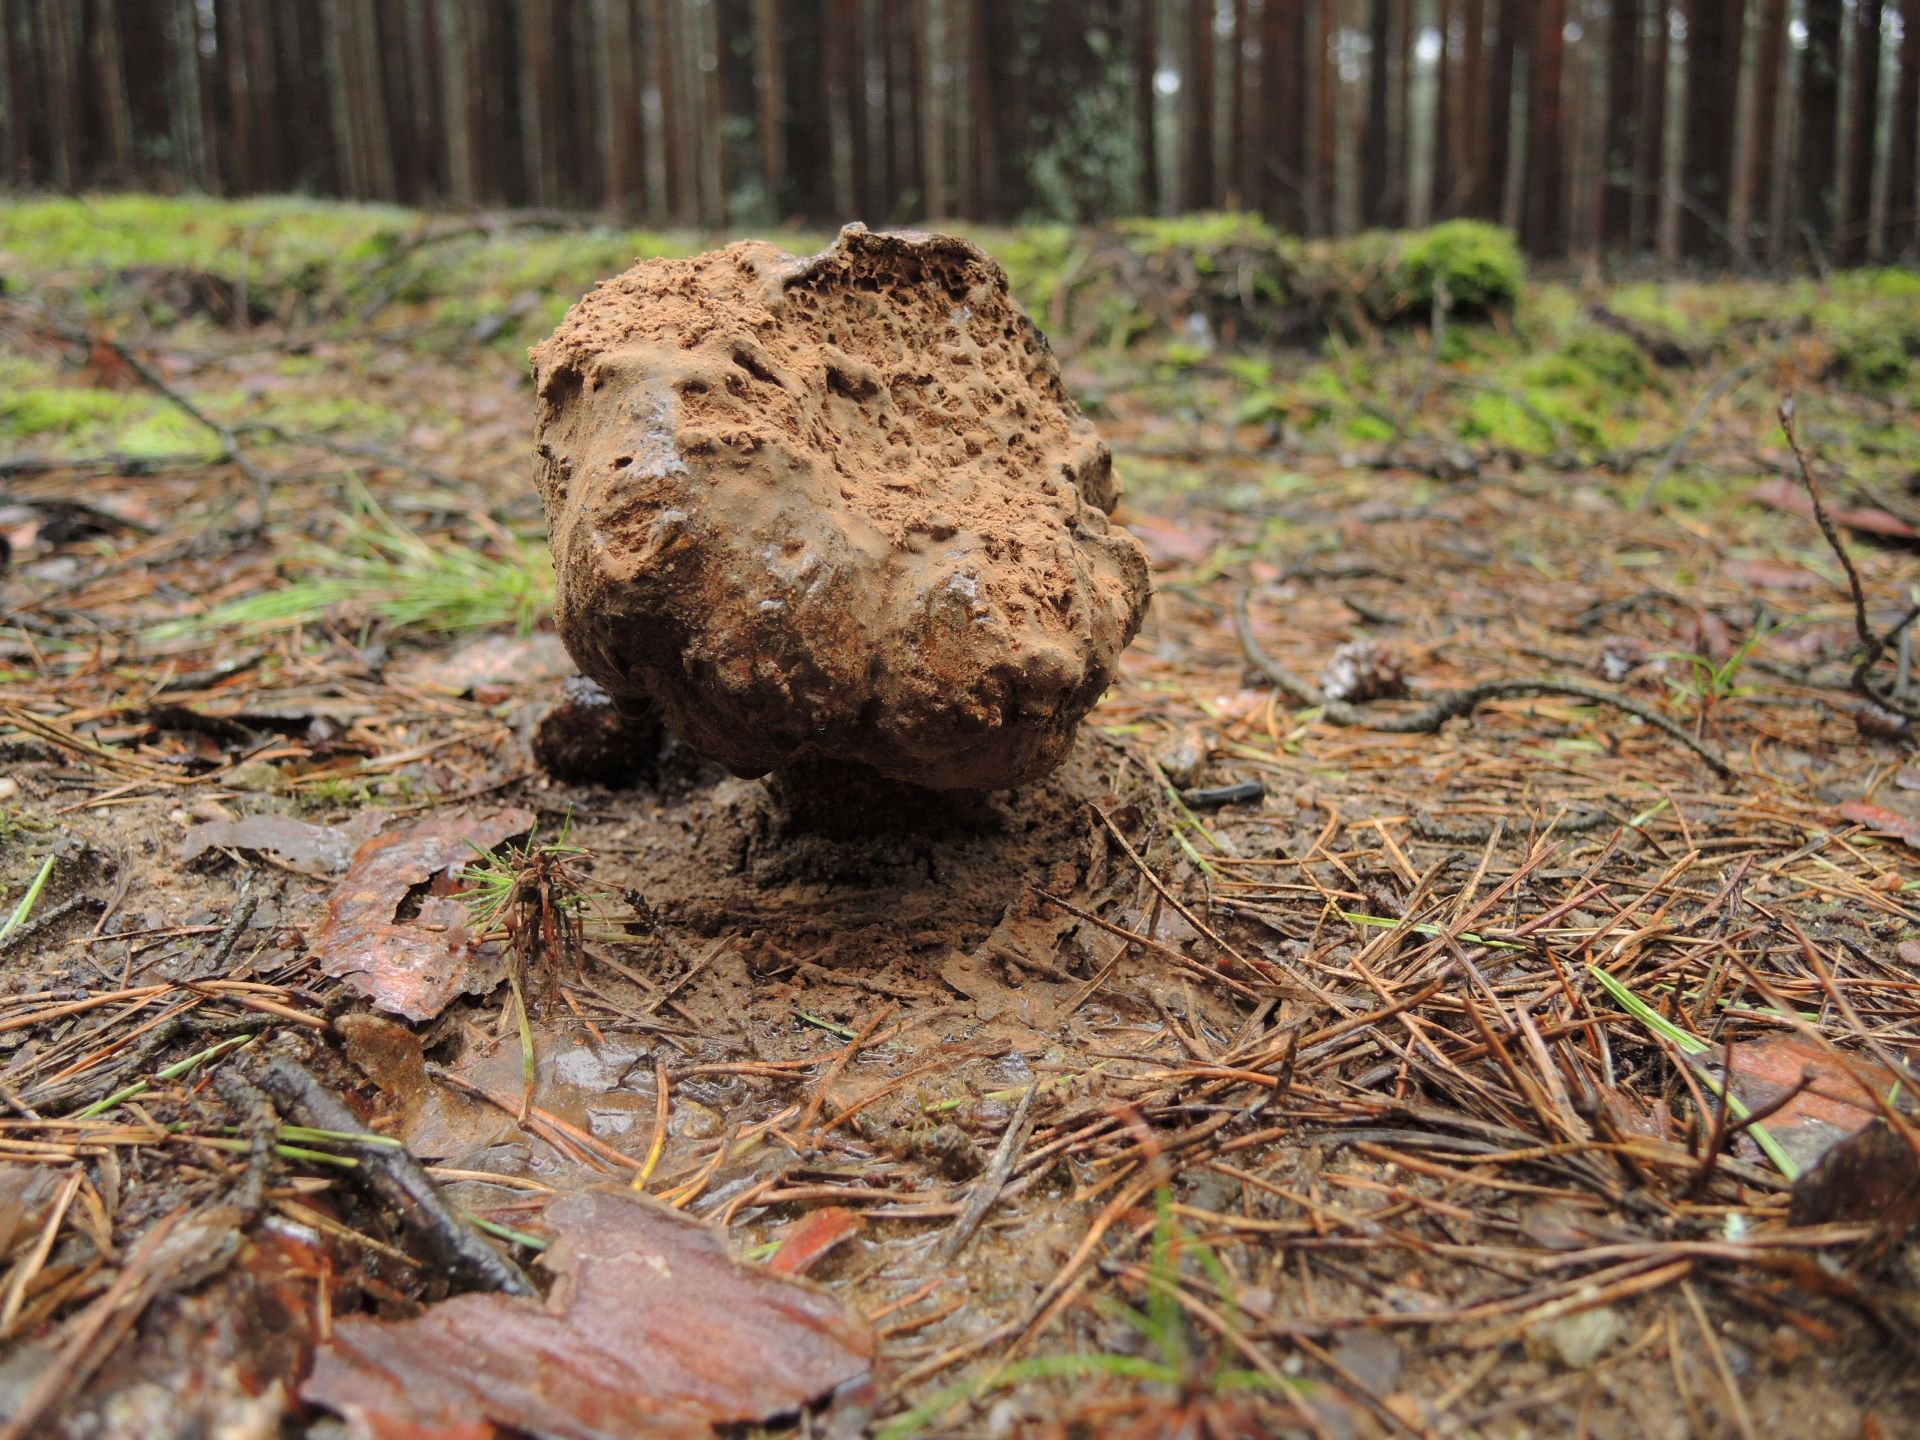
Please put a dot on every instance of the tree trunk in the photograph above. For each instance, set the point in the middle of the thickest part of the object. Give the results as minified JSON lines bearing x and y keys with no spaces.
{"x":896,"y":140}
{"x":1903,"y":213}
{"x":933,"y":127}
{"x":1377,"y":202}
{"x":1502,"y":74}
{"x":984,"y":157}
{"x":1650,"y":128}
{"x":1623,"y":70}
{"x":1819,"y":122}
{"x":1471,"y":115}
{"x":110,"y":83}
{"x":1863,"y":94}
{"x":1764,"y":114}
{"x":1546,"y":232}
{"x":1196,"y":93}
{"x":1146,"y":67}
{"x":1441,"y":205}
{"x":1237,"y":188}
{"x":769,"y":91}
{"x":1714,"y":31}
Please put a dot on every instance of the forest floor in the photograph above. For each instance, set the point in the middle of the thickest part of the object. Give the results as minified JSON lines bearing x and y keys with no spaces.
{"x":1545,"y":1069}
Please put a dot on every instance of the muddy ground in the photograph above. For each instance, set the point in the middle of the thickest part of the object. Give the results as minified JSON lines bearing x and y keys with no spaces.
{"x":1352,"y":1079}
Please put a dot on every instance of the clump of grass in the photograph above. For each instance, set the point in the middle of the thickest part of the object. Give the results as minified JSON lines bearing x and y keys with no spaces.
{"x":534,"y":896}
{"x":382,"y":570}
{"x":1712,"y":681}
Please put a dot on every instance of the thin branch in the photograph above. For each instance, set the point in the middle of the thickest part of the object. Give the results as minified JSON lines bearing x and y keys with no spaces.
{"x":1455,"y":704}
{"x":1873,"y":646}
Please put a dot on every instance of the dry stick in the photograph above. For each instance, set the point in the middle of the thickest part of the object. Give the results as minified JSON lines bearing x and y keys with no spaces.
{"x":1454,"y":704}
{"x":987,"y":1189}
{"x":1875,"y":645}
{"x":396,"y":1177}
{"x":1727,"y":381}
{"x":229,"y":442}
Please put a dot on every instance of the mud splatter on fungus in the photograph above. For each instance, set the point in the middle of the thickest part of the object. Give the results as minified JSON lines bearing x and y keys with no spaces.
{"x":840,"y":505}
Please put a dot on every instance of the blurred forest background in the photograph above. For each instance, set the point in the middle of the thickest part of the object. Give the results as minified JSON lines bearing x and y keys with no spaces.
{"x":1759,"y":133}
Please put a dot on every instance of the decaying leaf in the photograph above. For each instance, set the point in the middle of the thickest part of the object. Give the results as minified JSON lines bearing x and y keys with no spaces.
{"x":653,"y":1330}
{"x":309,"y":849}
{"x":1862,"y":1178}
{"x":529,"y":660}
{"x":414,"y":967}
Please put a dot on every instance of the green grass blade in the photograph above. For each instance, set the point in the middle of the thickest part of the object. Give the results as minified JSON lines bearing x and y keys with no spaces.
{"x":1689,"y":1044}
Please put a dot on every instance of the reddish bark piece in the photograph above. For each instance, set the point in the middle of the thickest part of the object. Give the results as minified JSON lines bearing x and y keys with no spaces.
{"x":1843,"y":1089}
{"x":418,"y":966}
{"x":1883,"y":820}
{"x":653,"y":1330}
{"x":807,"y":1241}
{"x":1785,"y":495}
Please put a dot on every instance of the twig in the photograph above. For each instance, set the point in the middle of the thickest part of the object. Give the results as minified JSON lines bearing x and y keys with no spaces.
{"x":1728,"y":380}
{"x":987,"y":1188}
{"x":396,"y":1177}
{"x":229,"y":442}
{"x":1455,"y":704}
{"x":1874,"y":646}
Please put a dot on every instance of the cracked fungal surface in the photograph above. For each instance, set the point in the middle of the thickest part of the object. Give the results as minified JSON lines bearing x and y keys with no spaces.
{"x":840,"y":505}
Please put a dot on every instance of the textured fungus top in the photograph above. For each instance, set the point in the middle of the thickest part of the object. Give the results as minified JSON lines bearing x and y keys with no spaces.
{"x":841,"y":503}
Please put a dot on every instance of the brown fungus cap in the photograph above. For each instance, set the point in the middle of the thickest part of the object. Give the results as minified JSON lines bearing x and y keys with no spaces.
{"x":840,"y":504}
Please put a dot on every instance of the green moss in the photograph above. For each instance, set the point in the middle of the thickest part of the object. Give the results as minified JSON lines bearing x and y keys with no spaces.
{"x":1204,"y":234}
{"x":64,"y":410}
{"x":1611,"y":362}
{"x":1480,"y":263}
{"x":1037,"y":261}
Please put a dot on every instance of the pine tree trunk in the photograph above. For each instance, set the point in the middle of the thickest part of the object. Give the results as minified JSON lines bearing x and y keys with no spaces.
{"x":1819,"y":122}
{"x":1502,"y":75}
{"x":1237,"y":189}
{"x":1623,"y":70}
{"x":1441,"y":206}
{"x":1764,"y":115}
{"x":1863,"y":93}
{"x":1196,"y":93}
{"x":769,"y":91}
{"x":110,"y":83}
{"x":1546,"y":232}
{"x":808,"y":190}
{"x":1713,"y":74}
{"x":1903,"y":206}
{"x":1649,"y":140}
{"x":1146,"y":68}
{"x":933,"y":117}
{"x":1470,"y":143}
{"x":1377,"y":198}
